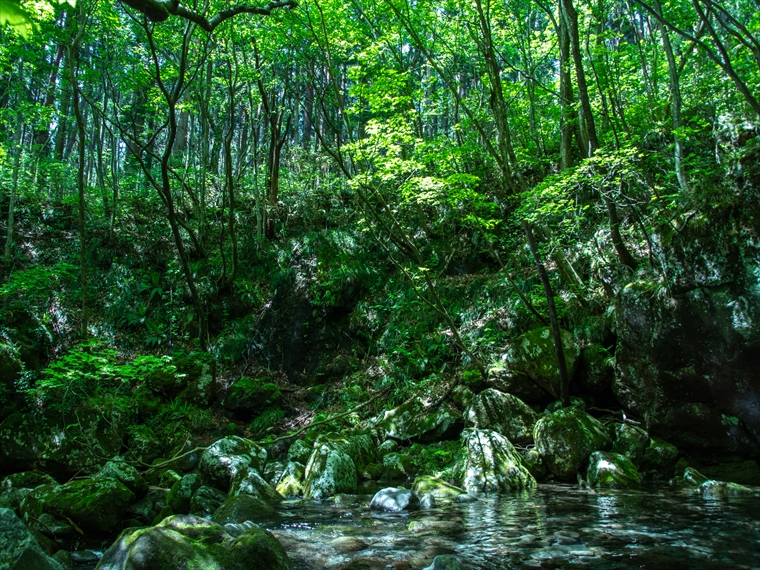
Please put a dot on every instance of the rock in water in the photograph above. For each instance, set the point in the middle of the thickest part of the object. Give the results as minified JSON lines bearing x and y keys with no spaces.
{"x":223,"y":459}
{"x":493,"y":464}
{"x":611,"y":470}
{"x":243,"y":508}
{"x":533,"y":354}
{"x":502,"y":413}
{"x":445,"y":562}
{"x":439,"y":489}
{"x":566,"y":438}
{"x":394,"y":500}
{"x":19,"y":549}
{"x":412,"y":420}
{"x":196,"y":544}
{"x":94,"y":506}
{"x":291,"y":481}
{"x":329,"y":472}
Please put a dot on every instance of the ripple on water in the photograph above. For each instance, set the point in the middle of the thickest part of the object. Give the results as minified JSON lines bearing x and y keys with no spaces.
{"x":551,"y":527}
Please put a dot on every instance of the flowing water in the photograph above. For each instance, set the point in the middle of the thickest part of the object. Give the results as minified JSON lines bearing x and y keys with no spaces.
{"x":554,"y":526}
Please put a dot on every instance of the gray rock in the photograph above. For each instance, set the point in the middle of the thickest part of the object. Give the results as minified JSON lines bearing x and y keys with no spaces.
{"x":248,"y":481}
{"x":566,"y":438}
{"x":329,"y":472}
{"x":198,"y":543}
{"x":18,"y":548}
{"x":502,"y":413}
{"x":299,"y":451}
{"x":223,"y":459}
{"x":394,"y":500}
{"x":611,"y":470}
{"x":493,"y":464}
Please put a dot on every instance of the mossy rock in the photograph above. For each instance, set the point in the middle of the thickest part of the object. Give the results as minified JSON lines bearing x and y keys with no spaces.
{"x":359,"y":447}
{"x":398,"y":466}
{"x":434,"y":458}
{"x":504,"y":413}
{"x":250,"y":396}
{"x":199,"y":545}
{"x":596,"y":369}
{"x":328,"y":472}
{"x":19,"y":549}
{"x":94,"y":506}
{"x":493,"y":464}
{"x":534,"y":463}
{"x":741,"y":472}
{"x":566,"y":438}
{"x":291,"y":481}
{"x":660,"y":456}
{"x":223,"y":459}
{"x":412,"y":420}
{"x":630,"y":441}
{"x":534,"y":355}
{"x":181,"y":492}
{"x":299,"y":451}
{"x":248,"y":481}
{"x":442,"y":491}
{"x":388,"y":446}
{"x":611,"y":470}
{"x":206,"y":500}
{"x":121,"y":471}
{"x":241,"y":508}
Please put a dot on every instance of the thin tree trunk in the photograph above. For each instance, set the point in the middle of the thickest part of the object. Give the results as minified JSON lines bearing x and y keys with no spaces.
{"x":14,"y":189}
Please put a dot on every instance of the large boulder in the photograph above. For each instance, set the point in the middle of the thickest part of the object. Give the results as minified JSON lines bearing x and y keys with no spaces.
{"x":96,"y":506}
{"x":223,"y":459}
{"x":182,"y":492}
{"x":15,"y":487}
{"x":19,"y":550}
{"x":248,"y":481}
{"x":566,"y":438}
{"x":509,"y":381}
{"x":493,"y":464}
{"x":533,"y":354}
{"x":394,"y":500}
{"x":250,"y":396}
{"x":611,"y":470}
{"x":413,"y":420}
{"x":503,"y":413}
{"x":360,"y":448}
{"x":630,"y":441}
{"x":689,"y":346}
{"x":328,"y":472}
{"x":440,"y":490}
{"x":121,"y":471}
{"x":241,"y":508}
{"x":193,"y":543}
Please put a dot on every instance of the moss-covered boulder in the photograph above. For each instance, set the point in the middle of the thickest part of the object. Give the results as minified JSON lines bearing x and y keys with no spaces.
{"x":388,"y":446}
{"x":94,"y":506}
{"x":398,"y":466}
{"x":631,"y":441}
{"x":534,"y":463}
{"x":199,"y":372}
{"x":15,"y":487}
{"x":19,"y":550}
{"x":596,"y":369}
{"x":206,"y":500}
{"x":440,"y":490}
{"x":290,"y":484}
{"x":250,"y":396}
{"x":121,"y":471}
{"x":181,"y":492}
{"x":300,"y":451}
{"x":413,"y":420}
{"x":193,"y":543}
{"x":224,"y":458}
{"x":328,"y":472}
{"x":611,"y":470}
{"x":520,"y":385}
{"x":359,"y":447}
{"x":533,"y":354}
{"x":248,"y":481}
{"x":493,"y":464}
{"x":502,"y":413}
{"x":566,"y":438}
{"x":660,"y":456}
{"x":241,"y":508}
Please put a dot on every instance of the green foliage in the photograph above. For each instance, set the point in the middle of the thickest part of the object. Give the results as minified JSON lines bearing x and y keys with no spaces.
{"x":265,"y":420}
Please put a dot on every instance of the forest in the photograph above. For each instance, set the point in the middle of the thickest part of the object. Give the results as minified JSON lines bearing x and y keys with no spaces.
{"x":379,"y":284}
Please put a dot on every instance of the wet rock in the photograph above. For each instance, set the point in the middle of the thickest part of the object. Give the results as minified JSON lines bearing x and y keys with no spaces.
{"x":502,"y":413}
{"x":348,"y":544}
{"x":248,"y":481}
{"x":121,"y":471}
{"x":660,"y":456}
{"x":714,"y":488}
{"x":181,"y":493}
{"x":206,"y":500}
{"x":394,"y":500}
{"x":611,"y":470}
{"x":596,"y":369}
{"x":566,"y":438}
{"x":19,"y":550}
{"x":445,"y":562}
{"x":693,"y":477}
{"x":329,"y":472}
{"x":300,"y":451}
{"x":388,"y":446}
{"x":291,"y":481}
{"x":493,"y":464}
{"x":198,"y":543}
{"x":223,"y":459}
{"x":243,"y":508}
{"x":437,"y":488}
{"x":533,"y":354}
{"x":94,"y":506}
{"x":250,"y":396}
{"x":687,"y":347}
{"x":412,"y":420}
{"x":630,"y":441}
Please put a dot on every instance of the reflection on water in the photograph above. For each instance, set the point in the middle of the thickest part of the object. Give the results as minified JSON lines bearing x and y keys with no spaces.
{"x":554,"y":526}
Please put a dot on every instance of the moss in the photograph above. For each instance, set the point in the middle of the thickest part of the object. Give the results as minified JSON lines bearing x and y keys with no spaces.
{"x":611,"y":470}
{"x":438,"y":488}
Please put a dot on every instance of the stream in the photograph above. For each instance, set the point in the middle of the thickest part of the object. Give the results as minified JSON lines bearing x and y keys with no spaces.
{"x":553,"y":526}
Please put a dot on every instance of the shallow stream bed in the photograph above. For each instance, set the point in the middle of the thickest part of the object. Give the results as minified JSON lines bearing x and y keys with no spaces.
{"x":551,"y":527}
